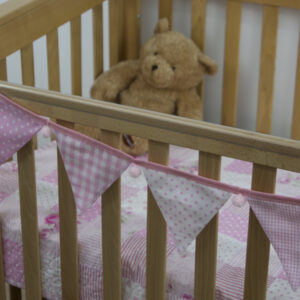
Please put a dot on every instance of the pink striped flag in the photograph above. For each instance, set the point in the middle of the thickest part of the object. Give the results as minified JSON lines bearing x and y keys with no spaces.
{"x":186,"y":204}
{"x":92,"y":167}
{"x":17,"y":127}
{"x":281,"y":223}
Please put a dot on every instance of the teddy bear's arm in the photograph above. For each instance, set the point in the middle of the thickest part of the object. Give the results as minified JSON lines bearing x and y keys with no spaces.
{"x":112,"y":82}
{"x":189,"y":105}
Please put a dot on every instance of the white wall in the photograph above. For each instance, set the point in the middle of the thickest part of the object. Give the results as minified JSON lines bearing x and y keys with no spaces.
{"x":288,"y":35}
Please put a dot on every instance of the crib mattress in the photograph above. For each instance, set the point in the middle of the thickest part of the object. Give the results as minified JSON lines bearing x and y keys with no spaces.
{"x":233,"y":225}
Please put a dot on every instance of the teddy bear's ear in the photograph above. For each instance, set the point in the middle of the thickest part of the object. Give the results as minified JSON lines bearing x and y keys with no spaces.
{"x":162,"y":26}
{"x":210,"y":65}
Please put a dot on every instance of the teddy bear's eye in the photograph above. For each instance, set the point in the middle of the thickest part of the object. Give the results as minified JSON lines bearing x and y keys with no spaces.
{"x":173,"y":68}
{"x":155,"y":53}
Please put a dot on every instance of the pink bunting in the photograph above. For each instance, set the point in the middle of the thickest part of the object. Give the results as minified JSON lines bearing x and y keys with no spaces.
{"x":186,"y":204}
{"x":17,"y":127}
{"x":92,"y":167}
{"x":281,"y":223}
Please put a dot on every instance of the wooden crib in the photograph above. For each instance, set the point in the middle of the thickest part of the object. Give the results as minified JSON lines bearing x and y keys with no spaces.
{"x":22,"y":22}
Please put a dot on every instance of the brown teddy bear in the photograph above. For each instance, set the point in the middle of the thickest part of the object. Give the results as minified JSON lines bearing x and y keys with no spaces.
{"x":163,"y":79}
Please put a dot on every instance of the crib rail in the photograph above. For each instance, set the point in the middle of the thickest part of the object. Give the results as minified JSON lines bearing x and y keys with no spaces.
{"x":278,"y":3}
{"x":23,"y":22}
{"x":227,"y":141}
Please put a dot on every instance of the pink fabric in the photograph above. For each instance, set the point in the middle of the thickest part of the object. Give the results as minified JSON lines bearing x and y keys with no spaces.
{"x":186,"y":205}
{"x":281,"y":223}
{"x":219,"y":185}
{"x":188,"y":202}
{"x":91,"y":166}
{"x":17,"y":127}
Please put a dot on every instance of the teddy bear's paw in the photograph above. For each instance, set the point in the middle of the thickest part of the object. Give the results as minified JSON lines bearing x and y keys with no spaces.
{"x":133,"y":145}
{"x":105,"y":91}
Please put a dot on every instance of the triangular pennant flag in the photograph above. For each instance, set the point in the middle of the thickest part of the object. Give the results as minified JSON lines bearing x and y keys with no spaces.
{"x":92,"y":167}
{"x":281,"y":223}
{"x":17,"y":127}
{"x":186,"y":204}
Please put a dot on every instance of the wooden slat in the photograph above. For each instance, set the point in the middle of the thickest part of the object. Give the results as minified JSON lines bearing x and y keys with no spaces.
{"x":29,"y":221}
{"x":27,"y":65}
{"x":53,"y":61}
{"x":98,"y":39}
{"x":132,"y":29}
{"x":2,"y":279}
{"x":258,"y":245}
{"x":267,"y":69}
{"x":111,"y":231}
{"x":121,"y":28}
{"x":213,"y":138}
{"x":76,"y":56}
{"x":263,"y":177}
{"x":166,"y":10}
{"x":21,"y":27}
{"x":27,"y":62}
{"x":68,"y":231}
{"x":231,"y":62}
{"x":279,"y":3}
{"x":198,"y":23}
{"x":111,"y":198}
{"x":207,"y":240}
{"x":198,"y":32}
{"x":156,"y":233}
{"x":15,"y":293}
{"x":3,"y":76}
{"x":296,"y":110}
{"x":3,"y":71}
{"x":114,"y":25}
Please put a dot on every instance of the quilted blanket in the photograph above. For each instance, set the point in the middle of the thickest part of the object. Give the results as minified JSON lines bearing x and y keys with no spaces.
{"x":233,"y":226}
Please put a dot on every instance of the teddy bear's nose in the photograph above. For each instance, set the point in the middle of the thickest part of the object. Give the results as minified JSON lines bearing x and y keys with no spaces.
{"x":154,"y":67}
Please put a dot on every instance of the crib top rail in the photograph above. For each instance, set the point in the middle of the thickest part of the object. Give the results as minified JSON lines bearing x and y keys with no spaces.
{"x":281,"y":3}
{"x":216,"y":139}
{"x":21,"y":22}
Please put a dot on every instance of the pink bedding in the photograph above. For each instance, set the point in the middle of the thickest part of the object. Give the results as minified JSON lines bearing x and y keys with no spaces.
{"x":233,"y":225}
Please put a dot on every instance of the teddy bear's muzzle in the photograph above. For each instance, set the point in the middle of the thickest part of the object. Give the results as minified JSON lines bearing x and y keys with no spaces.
{"x":157,"y":72}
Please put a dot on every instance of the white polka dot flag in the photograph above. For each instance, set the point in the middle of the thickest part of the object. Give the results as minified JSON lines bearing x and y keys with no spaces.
{"x":186,"y":204}
{"x":17,"y":127}
{"x":281,"y":223}
{"x":92,"y":167}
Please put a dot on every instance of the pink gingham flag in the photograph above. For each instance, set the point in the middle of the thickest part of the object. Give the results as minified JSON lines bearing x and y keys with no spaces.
{"x":281,"y":223}
{"x":17,"y":127}
{"x":92,"y":167}
{"x":186,"y":204}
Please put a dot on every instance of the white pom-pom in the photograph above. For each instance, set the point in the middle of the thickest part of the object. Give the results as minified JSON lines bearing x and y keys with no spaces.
{"x":46,"y":132}
{"x":135,"y":171}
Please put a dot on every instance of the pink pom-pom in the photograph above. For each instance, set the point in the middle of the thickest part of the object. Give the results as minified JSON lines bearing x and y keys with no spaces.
{"x":239,"y":200}
{"x":46,"y":131}
{"x":135,"y":171}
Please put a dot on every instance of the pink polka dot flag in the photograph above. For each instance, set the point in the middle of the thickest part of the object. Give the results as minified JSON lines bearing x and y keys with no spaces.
{"x":281,"y":223}
{"x":17,"y":127}
{"x":92,"y":167}
{"x":186,"y":205}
